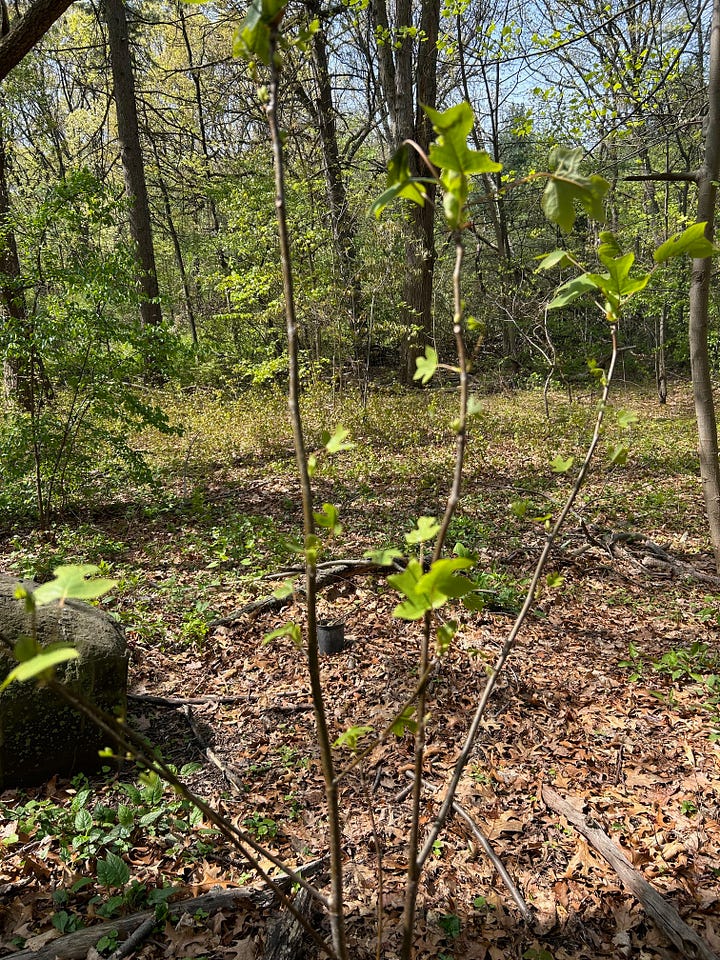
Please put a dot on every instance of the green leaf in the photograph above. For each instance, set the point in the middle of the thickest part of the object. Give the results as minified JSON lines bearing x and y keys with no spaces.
{"x":460,"y":550}
{"x":70,"y":583}
{"x":405,"y":722}
{"x":474,"y":602}
{"x":83,"y":821}
{"x":619,"y":455}
{"x":112,"y":871}
{"x":571,"y":290}
{"x":554,"y":579}
{"x":427,"y":528}
{"x":474,"y":406}
{"x":609,"y":246}
{"x":285,"y":590}
{"x":626,"y":418}
{"x":406,"y":583}
{"x":567,"y":186}
{"x":558,"y":258}
{"x":352,"y":736}
{"x":252,"y":37}
{"x":445,"y":634}
{"x":26,"y":648}
{"x":450,"y":151}
{"x":441,"y":582}
{"x":426,"y":366}
{"x":691,"y":242}
{"x":291,"y":630}
{"x":559,"y":465}
{"x":311,"y":548}
{"x":328,"y":519}
{"x":38,"y":664}
{"x":383,"y":557}
{"x":337,"y":442}
{"x":401,"y":183}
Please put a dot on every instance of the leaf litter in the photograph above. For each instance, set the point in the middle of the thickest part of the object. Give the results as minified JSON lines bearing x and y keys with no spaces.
{"x":637,"y":753}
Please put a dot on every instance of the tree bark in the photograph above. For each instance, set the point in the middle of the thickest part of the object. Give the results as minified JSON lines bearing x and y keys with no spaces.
{"x":344,"y":229}
{"x":404,"y":101}
{"x":13,"y":309}
{"x":132,"y":159}
{"x":27,"y":30}
{"x":699,"y":299}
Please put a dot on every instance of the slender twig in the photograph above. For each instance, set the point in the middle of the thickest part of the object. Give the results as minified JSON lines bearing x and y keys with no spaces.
{"x":511,"y":639}
{"x":335,"y":906}
{"x":389,"y":728}
{"x":496,"y":862}
{"x":136,"y":939}
{"x":137,"y":747}
{"x":415,"y":863}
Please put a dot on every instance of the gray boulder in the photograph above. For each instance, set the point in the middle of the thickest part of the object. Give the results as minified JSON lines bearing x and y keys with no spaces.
{"x":41,"y":735}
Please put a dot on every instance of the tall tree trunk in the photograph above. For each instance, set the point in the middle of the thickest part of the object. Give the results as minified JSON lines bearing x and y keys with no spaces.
{"x":699,"y":299}
{"x":13,"y":309}
{"x":344,"y":228}
{"x":420,"y":251}
{"x":132,"y":159}
{"x":407,"y":121}
{"x":19,"y":39}
{"x":195,"y":76}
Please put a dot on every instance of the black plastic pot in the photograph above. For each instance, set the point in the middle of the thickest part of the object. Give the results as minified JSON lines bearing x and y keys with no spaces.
{"x":331,"y":637}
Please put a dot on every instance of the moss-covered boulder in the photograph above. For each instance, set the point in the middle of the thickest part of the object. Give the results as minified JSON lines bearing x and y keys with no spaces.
{"x":40,"y":734}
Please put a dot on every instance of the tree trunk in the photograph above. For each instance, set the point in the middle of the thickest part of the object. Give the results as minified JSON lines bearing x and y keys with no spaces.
{"x":132,"y":160}
{"x":343,"y":226}
{"x":407,"y":121}
{"x":420,"y":248}
{"x":26,"y":31}
{"x":699,"y":299}
{"x":17,"y":366}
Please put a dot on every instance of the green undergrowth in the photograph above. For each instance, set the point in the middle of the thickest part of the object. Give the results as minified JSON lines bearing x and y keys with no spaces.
{"x":225,"y":510}
{"x":693,"y":670}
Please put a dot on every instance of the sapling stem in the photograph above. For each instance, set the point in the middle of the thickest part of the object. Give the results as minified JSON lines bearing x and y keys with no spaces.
{"x":335,"y":909}
{"x":415,"y":863}
{"x":136,"y":747}
{"x":512,"y":636}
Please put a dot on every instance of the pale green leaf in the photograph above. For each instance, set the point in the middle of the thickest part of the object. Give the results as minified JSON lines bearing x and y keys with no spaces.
{"x":426,"y":366}
{"x":427,"y":528}
{"x":70,"y":582}
{"x":626,"y":418}
{"x":691,"y":242}
{"x":619,"y":455}
{"x":560,"y":465}
{"x":383,"y":557}
{"x":38,"y":664}
{"x":445,"y":634}
{"x":338,"y":441}
{"x":570,"y":291}
{"x":291,"y":630}
{"x":558,"y":258}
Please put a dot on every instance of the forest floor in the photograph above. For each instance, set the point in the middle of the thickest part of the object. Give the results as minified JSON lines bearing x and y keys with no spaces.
{"x":611,"y":696}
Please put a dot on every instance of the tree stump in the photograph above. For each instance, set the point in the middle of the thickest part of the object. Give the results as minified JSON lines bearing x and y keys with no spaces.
{"x":40,"y":734}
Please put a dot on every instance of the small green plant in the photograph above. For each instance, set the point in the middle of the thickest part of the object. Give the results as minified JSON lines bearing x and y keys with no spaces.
{"x":261,"y":826}
{"x":108,"y":942}
{"x":537,"y":953}
{"x":450,"y":924}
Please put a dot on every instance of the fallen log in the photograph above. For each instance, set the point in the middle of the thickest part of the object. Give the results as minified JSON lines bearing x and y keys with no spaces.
{"x":662,"y":913}
{"x":75,"y":946}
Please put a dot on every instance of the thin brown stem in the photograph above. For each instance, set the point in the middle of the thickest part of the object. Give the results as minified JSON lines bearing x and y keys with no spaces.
{"x":137,"y":747}
{"x":415,"y":863}
{"x":511,"y":640}
{"x":337,"y":920}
